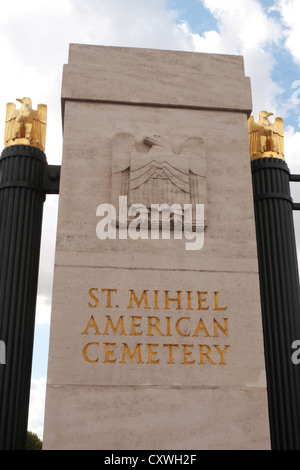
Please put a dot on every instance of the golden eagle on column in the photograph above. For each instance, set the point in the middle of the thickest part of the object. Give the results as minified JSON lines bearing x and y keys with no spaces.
{"x":266,"y":139}
{"x":25,"y":126}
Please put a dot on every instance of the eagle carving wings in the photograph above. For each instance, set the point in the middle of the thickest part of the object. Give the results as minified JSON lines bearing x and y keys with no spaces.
{"x":150,"y":172}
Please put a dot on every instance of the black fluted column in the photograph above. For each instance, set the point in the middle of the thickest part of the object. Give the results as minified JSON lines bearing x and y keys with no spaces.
{"x":24,"y":176}
{"x":280,"y":297}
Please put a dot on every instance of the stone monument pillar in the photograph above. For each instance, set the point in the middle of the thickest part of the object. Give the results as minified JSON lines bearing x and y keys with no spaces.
{"x":156,"y":329}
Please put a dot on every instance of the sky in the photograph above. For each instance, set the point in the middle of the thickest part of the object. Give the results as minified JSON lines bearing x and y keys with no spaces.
{"x":34,"y":42}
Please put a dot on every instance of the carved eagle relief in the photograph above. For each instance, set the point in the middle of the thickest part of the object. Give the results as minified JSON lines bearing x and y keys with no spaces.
{"x":158,"y":175}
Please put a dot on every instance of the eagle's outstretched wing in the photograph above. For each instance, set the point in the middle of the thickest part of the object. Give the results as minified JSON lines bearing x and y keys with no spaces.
{"x":11,"y":114}
{"x":42,"y":113}
{"x":278,"y":126}
{"x":194,"y":150}
{"x":10,"y":111}
{"x":123,"y":146}
{"x":39,"y":126}
{"x":278,"y":135}
{"x":255,"y":130}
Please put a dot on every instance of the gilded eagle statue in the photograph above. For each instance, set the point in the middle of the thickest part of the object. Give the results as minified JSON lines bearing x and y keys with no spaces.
{"x":25,"y":126}
{"x":266,"y":139}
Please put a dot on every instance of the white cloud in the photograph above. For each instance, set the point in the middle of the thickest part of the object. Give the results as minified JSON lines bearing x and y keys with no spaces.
{"x":131,"y":23}
{"x":37,"y":406}
{"x":245,"y":29}
{"x":243,"y":24}
{"x":290,"y":14}
{"x":47,"y":256}
{"x":42,"y":30}
{"x":291,"y":149}
{"x":210,"y":41}
{"x":43,"y":309}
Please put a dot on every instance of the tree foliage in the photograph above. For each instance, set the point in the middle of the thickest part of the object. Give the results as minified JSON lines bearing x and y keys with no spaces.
{"x":33,"y":441}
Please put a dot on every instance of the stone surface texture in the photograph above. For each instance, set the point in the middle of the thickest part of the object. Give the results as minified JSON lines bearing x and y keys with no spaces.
{"x":185,"y":396}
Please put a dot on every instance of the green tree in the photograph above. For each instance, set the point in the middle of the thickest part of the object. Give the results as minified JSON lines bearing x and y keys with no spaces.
{"x":33,"y":441}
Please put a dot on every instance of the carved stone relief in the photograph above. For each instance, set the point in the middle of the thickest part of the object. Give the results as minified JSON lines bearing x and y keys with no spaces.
{"x":158,"y":175}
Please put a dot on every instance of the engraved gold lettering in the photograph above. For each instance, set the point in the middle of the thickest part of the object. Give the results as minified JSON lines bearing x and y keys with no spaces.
{"x":84,"y":352}
{"x":156,"y":307}
{"x":189,"y":300}
{"x":139,"y":302}
{"x":177,"y":299}
{"x":135,"y":325}
{"x":109,"y":323}
{"x":187,"y":355}
{"x":163,"y":326}
{"x":168,"y":326}
{"x":92,"y":324}
{"x":108,"y":353}
{"x":94,"y":298}
{"x":216,"y":294}
{"x":202,"y":300}
{"x":127,"y":351}
{"x":222,"y":362}
{"x":155,"y":326}
{"x":201,"y":327}
{"x":109,"y":291}
{"x":205,"y":354}
{"x":217,"y":325}
{"x":152,"y":353}
{"x":170,"y":346}
{"x":177,"y":326}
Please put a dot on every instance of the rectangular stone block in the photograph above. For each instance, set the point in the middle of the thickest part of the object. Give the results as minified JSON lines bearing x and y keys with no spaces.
{"x":164,"y":78}
{"x":156,"y":343}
